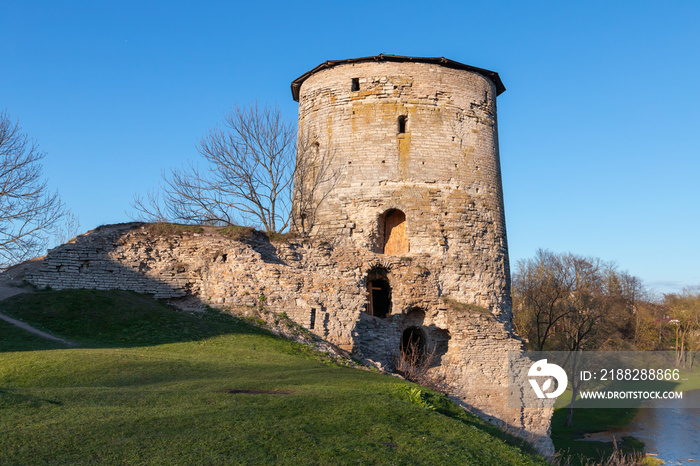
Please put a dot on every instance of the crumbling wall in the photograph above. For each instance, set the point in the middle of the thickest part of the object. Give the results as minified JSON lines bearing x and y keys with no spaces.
{"x":320,"y":286}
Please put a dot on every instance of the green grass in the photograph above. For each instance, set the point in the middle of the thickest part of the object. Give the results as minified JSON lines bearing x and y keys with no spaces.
{"x":689,"y":380}
{"x":148,"y":385}
{"x":108,"y":318}
{"x":235,"y":232}
{"x":15,"y":339}
{"x":590,"y":420}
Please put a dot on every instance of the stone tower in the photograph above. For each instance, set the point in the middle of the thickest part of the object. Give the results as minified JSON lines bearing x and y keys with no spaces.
{"x":412,"y":145}
{"x":399,"y":183}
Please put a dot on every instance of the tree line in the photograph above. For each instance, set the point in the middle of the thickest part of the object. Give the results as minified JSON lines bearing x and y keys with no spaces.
{"x":568,"y":302}
{"x":571,"y":303}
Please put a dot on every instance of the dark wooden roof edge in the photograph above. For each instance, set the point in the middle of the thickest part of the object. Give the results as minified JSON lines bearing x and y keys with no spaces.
{"x":442,"y":61}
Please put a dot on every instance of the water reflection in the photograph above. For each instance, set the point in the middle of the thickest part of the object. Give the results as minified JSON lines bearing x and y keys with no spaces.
{"x":671,"y":429}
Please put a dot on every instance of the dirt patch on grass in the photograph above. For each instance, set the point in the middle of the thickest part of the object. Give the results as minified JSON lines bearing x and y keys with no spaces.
{"x":261,"y":392}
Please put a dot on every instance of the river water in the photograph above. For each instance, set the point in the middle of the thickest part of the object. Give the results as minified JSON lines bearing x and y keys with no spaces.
{"x":670,"y":429}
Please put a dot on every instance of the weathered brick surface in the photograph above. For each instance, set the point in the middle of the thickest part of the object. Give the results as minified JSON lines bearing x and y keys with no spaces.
{"x":443,"y":173}
{"x":305,"y":279}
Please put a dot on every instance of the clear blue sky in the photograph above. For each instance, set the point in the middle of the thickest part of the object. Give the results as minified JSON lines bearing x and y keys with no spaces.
{"x":598,"y":127}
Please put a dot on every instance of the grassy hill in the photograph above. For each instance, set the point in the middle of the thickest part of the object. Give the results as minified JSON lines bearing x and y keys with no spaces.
{"x":148,"y":384}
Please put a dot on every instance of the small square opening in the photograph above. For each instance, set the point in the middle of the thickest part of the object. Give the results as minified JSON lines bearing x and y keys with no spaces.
{"x":355,"y":86}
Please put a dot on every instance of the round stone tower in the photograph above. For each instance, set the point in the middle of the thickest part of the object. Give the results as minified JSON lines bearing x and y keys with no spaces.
{"x":399,"y":155}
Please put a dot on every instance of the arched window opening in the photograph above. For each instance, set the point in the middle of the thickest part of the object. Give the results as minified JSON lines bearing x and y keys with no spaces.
{"x":415,"y":316}
{"x":413,"y":344}
{"x":402,"y":124}
{"x":395,"y":238}
{"x":379,"y":297}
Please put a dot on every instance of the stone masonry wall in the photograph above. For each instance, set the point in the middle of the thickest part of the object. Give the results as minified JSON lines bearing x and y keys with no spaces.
{"x":320,"y":286}
{"x":442,"y":171}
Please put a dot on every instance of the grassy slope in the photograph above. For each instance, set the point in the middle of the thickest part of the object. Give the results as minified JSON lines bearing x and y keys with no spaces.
{"x":588,"y":420}
{"x":148,"y":385}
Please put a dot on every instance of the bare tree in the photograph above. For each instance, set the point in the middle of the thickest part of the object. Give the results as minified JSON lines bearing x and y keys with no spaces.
{"x":541,"y":286}
{"x":247,"y":178}
{"x":28,"y":211}
{"x":414,"y":364}
{"x":68,"y":228}
{"x":566,"y":302}
{"x":685,"y":310}
{"x":315,"y":175}
{"x":255,"y":167}
{"x":589,"y":307}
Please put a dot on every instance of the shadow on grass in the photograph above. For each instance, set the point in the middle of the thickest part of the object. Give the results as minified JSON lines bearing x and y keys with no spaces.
{"x":567,"y":440}
{"x":12,"y":399}
{"x":17,"y":339}
{"x":116,"y":317}
{"x":442,"y":404}
{"x":112,"y":318}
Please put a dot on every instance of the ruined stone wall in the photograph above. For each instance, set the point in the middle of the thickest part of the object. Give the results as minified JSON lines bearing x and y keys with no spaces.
{"x":320,"y":286}
{"x":442,"y":171}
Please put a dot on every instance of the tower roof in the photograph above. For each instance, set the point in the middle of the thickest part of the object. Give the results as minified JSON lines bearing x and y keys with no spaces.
{"x":442,"y":61}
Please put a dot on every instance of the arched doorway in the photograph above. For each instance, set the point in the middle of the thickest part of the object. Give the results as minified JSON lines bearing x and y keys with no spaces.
{"x":394,"y":234}
{"x":378,"y":297}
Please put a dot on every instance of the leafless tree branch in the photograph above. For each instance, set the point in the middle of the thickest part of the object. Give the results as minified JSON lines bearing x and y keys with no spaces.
{"x":316,"y":173}
{"x":251,"y":165}
{"x":28,"y":211}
